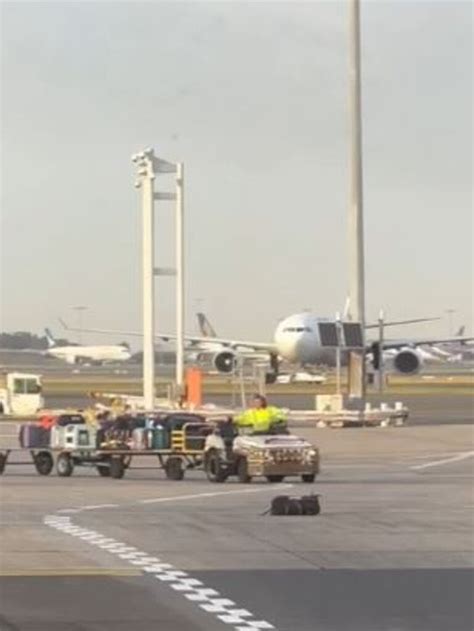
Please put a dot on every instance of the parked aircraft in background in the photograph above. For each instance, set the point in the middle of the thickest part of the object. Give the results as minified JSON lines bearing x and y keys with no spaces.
{"x":86,"y":354}
{"x":300,"y":339}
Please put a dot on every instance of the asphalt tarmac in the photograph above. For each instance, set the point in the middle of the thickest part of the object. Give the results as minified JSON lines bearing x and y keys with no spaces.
{"x":391,"y":550}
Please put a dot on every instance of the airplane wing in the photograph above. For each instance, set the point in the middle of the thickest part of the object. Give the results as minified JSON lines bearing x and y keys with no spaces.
{"x":400,"y":322}
{"x":191,"y":339}
{"x":423,"y":342}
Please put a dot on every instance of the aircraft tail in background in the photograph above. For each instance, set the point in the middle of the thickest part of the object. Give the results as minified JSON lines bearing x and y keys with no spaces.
{"x":50,"y":339}
{"x":461,"y":331}
{"x":205,"y":327}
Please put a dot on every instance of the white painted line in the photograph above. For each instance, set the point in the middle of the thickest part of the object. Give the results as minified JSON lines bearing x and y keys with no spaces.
{"x":95,"y":506}
{"x":209,"y":600}
{"x":197,"y":496}
{"x":437,"y":463}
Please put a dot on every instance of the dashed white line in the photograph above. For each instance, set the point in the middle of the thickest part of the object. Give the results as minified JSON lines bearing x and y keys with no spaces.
{"x":437,"y":463}
{"x":209,"y":600}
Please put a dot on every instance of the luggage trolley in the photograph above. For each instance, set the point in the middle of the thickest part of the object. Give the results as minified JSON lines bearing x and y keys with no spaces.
{"x":185,"y":451}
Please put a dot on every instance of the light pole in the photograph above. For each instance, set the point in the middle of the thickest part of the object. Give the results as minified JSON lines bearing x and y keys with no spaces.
{"x":148,"y":166}
{"x":145,"y":182}
{"x":356,"y":224}
{"x":80,"y":320}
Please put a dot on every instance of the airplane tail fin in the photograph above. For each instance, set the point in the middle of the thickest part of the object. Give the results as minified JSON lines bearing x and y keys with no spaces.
{"x":49,"y":338}
{"x":205,"y":327}
{"x":462,"y":330}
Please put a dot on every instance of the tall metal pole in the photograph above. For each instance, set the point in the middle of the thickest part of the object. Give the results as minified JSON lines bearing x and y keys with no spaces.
{"x":147,"y":186}
{"x":381,"y":375}
{"x":180,"y":275}
{"x":356,"y":226}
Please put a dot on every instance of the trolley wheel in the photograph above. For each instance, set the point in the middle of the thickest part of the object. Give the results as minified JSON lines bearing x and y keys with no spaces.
{"x":215,"y":470}
{"x":174,"y":468}
{"x":64,"y":465}
{"x":243,"y":471}
{"x":3,"y":462}
{"x":117,"y":468}
{"x":308,"y":477}
{"x":104,"y":472}
{"x":44,"y":462}
{"x":275,"y":478}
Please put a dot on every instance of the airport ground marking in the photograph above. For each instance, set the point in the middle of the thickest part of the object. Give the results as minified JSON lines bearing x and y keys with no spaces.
{"x":208,"y":599}
{"x":197,"y":496}
{"x":437,"y":463}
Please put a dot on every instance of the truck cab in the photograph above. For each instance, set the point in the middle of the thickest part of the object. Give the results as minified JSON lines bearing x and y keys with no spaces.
{"x":21,"y":394}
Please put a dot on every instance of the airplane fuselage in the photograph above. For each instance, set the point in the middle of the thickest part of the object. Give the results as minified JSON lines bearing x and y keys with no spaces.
{"x":78,"y":354}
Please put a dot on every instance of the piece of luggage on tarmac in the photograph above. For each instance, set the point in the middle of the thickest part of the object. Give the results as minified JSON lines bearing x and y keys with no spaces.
{"x":32,"y":436}
{"x":70,"y":419}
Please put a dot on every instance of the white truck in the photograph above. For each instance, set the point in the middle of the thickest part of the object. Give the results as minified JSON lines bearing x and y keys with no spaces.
{"x":20,"y":394}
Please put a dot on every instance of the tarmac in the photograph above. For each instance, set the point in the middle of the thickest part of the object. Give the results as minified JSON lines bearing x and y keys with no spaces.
{"x":391,"y":550}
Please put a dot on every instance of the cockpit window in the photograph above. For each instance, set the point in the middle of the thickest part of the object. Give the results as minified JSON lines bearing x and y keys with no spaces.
{"x":297,"y":329}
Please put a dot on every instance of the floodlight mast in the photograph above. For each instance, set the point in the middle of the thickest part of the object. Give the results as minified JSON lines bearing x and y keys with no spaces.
{"x":356,"y":225}
{"x":145,"y":181}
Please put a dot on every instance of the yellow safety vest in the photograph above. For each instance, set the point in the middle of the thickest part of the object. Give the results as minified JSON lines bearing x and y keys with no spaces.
{"x":260,"y":419}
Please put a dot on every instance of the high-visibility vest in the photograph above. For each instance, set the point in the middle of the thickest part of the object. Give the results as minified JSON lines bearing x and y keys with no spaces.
{"x":260,"y":419}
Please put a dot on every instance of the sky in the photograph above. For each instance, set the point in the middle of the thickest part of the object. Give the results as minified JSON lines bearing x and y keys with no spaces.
{"x":253,"y":98}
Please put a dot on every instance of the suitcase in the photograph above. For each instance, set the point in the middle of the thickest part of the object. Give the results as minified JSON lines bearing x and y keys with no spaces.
{"x":57,"y":437}
{"x":70,"y":419}
{"x":139,"y":439}
{"x":158,"y":438}
{"x":31,"y":436}
{"x":79,"y":437}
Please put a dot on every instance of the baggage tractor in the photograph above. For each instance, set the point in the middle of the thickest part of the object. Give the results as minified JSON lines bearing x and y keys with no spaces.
{"x":139,"y":439}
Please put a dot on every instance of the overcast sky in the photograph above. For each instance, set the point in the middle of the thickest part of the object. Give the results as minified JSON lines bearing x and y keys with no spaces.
{"x":253,"y":98}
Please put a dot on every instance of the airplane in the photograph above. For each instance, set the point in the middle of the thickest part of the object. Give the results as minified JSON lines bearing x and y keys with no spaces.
{"x":298,"y":340}
{"x":86,"y":354}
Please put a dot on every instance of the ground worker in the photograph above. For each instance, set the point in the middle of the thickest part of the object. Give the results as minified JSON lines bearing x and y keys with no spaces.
{"x":260,"y":418}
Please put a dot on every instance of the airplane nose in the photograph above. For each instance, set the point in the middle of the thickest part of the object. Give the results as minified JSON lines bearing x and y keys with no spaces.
{"x":289,"y":345}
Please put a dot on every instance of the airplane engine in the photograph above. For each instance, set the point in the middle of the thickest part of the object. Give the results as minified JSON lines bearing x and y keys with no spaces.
{"x":224,"y":361}
{"x":407,"y":361}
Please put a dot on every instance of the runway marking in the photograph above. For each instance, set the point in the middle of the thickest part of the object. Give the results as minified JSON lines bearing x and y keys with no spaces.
{"x":208,"y":599}
{"x":196,"y":496}
{"x":95,"y":506}
{"x":86,"y":571}
{"x":438,"y":463}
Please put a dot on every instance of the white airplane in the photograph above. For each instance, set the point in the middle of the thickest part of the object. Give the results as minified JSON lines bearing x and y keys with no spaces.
{"x":86,"y":354}
{"x":300,"y":339}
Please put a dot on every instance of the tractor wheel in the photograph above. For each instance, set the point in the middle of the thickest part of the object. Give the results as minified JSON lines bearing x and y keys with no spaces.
{"x":214,"y":467}
{"x":275,"y":478}
{"x":243,"y":471}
